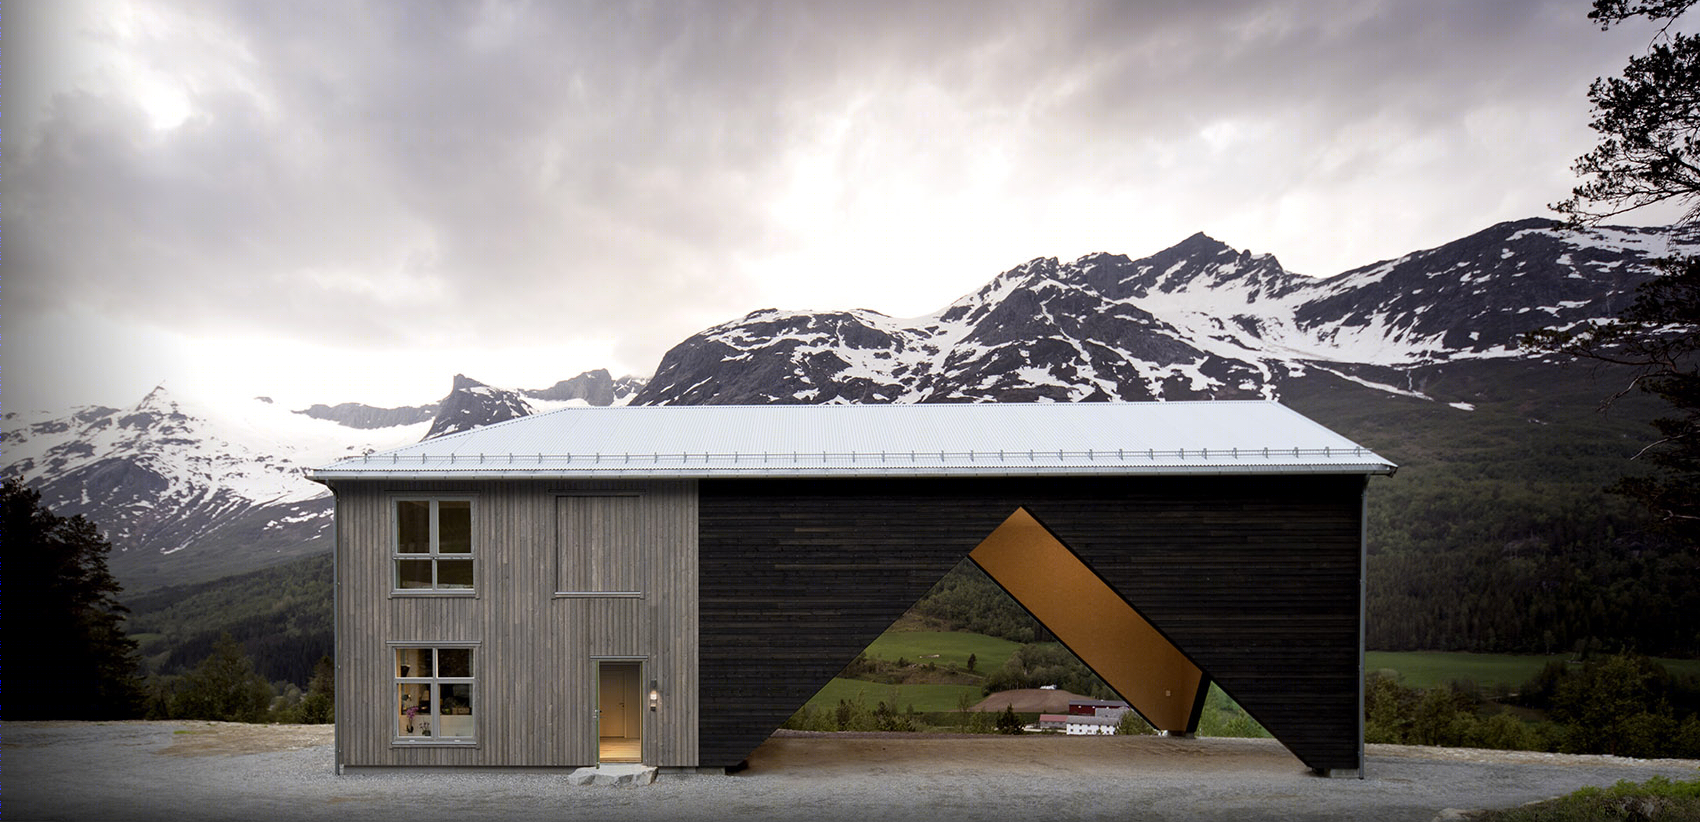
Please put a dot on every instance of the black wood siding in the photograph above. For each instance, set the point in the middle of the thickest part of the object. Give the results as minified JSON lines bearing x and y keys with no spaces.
{"x":1256,"y":579}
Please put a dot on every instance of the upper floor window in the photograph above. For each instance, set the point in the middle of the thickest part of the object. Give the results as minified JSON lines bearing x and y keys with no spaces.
{"x":433,"y":544}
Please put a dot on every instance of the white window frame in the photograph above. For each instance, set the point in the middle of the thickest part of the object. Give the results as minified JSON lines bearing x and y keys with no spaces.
{"x":432,"y":555}
{"x":434,"y":682}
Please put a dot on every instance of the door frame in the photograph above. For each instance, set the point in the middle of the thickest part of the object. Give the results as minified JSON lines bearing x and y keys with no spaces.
{"x":640,"y":664}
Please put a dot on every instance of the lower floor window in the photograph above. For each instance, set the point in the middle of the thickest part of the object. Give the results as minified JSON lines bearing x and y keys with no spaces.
{"x":434,"y":689}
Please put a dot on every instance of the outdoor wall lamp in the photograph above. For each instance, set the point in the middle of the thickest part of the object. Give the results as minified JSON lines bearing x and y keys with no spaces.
{"x":654,"y":695}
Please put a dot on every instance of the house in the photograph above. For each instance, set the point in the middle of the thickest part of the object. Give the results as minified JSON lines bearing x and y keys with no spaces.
{"x":1095,"y":707}
{"x":1087,"y":717}
{"x":669,"y":584}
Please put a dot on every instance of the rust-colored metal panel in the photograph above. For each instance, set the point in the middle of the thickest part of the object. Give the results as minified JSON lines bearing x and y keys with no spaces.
{"x":1088,"y":616}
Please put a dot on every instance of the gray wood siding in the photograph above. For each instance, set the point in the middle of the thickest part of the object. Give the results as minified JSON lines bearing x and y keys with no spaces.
{"x":535,"y":659}
{"x":601,"y":546}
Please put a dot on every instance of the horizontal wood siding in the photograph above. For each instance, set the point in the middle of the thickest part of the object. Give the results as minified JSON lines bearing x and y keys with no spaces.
{"x":535,"y":666}
{"x":1256,"y":579}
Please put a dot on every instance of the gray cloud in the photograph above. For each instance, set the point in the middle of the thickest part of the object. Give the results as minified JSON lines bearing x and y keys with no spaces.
{"x":397,"y":175}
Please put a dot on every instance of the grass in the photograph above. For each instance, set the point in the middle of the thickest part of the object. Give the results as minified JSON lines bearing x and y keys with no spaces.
{"x":1656,"y":800}
{"x":923,"y":698}
{"x":1426,"y":669}
{"x":1222,"y":716}
{"x":990,"y":653}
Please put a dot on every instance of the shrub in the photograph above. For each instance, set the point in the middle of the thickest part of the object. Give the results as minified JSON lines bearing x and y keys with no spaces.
{"x":885,"y":718}
{"x":1008,"y":722}
{"x":1222,"y":716}
{"x":1507,"y":733}
{"x":1389,"y":709}
{"x":1687,"y":742}
{"x":1132,"y":724}
{"x":1657,"y":800}
{"x":809,"y":719}
{"x":1046,"y":663}
{"x":1444,"y":715}
{"x":1615,"y":705}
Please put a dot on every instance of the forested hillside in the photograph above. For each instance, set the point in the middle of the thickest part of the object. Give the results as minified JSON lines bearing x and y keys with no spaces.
{"x":280,"y":616}
{"x":1497,"y":533}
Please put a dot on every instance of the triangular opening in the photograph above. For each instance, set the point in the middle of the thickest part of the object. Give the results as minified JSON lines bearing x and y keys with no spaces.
{"x":931,"y":669}
{"x":1024,"y":619}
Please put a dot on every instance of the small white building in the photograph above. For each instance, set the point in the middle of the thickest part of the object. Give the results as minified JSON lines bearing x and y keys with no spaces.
{"x":1091,"y":725}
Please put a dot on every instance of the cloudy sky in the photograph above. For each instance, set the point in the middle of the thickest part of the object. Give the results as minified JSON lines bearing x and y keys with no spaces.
{"x":340,"y":201}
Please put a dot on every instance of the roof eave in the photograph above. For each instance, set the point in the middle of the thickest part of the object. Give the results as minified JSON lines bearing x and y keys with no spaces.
{"x":325,"y":476}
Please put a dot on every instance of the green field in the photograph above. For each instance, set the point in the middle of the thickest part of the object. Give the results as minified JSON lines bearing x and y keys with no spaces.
{"x":922,"y":697}
{"x":1426,"y":669}
{"x":990,"y":653}
{"x":1419,"y":669}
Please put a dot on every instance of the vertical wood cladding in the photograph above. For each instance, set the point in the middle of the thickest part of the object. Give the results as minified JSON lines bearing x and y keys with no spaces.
{"x":1256,"y":579}
{"x":535,"y":672}
{"x":601,"y":544}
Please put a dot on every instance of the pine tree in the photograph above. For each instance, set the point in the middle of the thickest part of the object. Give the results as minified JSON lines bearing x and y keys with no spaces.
{"x":318,"y":707}
{"x":66,"y":654}
{"x":1647,"y":120}
{"x":1649,"y":152}
{"x":224,"y":687}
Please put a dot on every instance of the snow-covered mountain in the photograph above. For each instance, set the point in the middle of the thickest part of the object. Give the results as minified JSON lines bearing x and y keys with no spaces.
{"x":461,"y":409}
{"x":471,"y":404}
{"x":187,"y":491}
{"x":190,"y":493}
{"x":1198,"y":320}
{"x":209,"y":487}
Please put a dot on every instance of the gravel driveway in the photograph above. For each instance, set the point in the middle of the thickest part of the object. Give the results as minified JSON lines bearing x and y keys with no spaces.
{"x":187,"y":771}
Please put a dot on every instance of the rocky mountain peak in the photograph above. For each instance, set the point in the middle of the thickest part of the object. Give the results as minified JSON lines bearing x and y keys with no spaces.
{"x":1197,"y":320}
{"x":155,"y":411}
{"x":471,"y":404}
{"x":157,"y":401}
{"x":1201,"y":244}
{"x":598,"y":387}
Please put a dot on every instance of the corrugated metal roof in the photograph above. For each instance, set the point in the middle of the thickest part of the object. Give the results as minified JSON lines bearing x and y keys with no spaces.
{"x":981,"y":439}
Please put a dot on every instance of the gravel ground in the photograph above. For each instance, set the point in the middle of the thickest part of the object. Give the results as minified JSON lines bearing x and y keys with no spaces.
{"x":187,"y":771}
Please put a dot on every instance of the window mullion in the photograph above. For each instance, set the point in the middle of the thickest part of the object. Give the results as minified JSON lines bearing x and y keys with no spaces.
{"x":436,"y":708}
{"x":436,"y":661}
{"x":435,"y":536}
